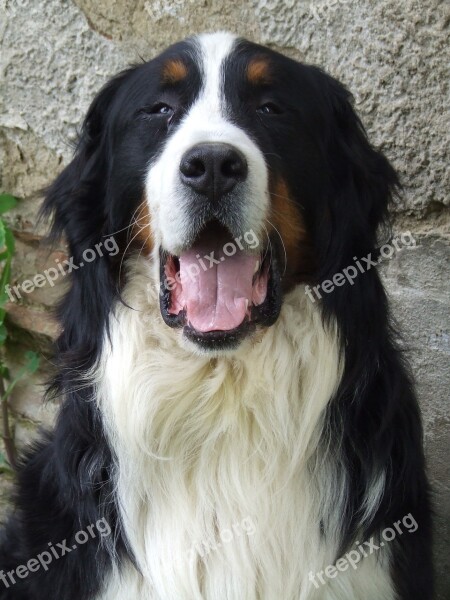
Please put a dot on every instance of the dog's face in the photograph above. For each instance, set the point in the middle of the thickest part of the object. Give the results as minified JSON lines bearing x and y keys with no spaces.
{"x":211,"y":131}
{"x":233,"y":166}
{"x":208,"y":189}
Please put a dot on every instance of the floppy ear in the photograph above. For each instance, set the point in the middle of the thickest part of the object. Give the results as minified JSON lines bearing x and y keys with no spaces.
{"x":361,"y":182}
{"x":76,"y":199}
{"x":370,"y":175}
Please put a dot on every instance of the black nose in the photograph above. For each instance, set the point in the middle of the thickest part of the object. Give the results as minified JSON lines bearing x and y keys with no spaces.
{"x":213,"y":169}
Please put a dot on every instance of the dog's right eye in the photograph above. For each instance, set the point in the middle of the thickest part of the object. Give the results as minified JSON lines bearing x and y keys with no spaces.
{"x":269,"y":108}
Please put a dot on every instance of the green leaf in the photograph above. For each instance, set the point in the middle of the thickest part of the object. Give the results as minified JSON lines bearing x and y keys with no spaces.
{"x":3,"y":334}
{"x":5,"y":467}
{"x":4,"y":371}
{"x":2,"y":234}
{"x":32,"y":364}
{"x":4,"y":280}
{"x":7,"y":202}
{"x":8,"y":241}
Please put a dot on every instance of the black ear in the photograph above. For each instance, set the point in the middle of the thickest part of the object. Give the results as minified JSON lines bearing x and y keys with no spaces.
{"x":360,"y":181}
{"x":76,"y":199}
{"x":369,"y":174}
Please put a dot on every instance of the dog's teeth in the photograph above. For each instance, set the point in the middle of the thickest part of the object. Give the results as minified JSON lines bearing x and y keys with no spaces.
{"x":256,"y":267}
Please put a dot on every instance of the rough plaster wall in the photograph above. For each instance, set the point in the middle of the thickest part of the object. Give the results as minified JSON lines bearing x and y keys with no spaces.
{"x":393,"y":55}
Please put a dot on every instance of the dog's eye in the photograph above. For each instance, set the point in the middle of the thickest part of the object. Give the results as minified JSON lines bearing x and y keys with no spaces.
{"x":269,"y":108}
{"x":160,"y":108}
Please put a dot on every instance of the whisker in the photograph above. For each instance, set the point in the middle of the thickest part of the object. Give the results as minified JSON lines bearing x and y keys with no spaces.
{"x":294,"y":202}
{"x":136,"y":220}
{"x":143,"y":245}
{"x":128,"y":245}
{"x":269,"y":245}
{"x":282,"y":243}
{"x":272,"y":154}
{"x":131,"y":224}
{"x":274,"y":212}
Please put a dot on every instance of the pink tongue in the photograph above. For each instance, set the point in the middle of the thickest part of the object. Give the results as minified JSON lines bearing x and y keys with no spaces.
{"x":217,"y":296}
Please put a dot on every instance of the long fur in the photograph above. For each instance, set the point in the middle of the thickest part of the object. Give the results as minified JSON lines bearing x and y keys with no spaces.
{"x":310,"y":430}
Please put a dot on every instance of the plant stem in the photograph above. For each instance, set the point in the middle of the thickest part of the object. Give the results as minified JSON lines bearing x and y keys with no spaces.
{"x":7,"y":437}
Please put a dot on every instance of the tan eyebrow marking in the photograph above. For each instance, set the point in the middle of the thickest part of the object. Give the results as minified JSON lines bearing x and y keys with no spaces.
{"x":174,"y":71}
{"x":258,"y":71}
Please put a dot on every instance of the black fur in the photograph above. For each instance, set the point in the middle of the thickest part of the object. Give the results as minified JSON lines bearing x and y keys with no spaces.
{"x":344,"y":187}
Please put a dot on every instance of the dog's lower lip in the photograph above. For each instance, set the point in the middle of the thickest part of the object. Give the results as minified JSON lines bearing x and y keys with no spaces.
{"x":211,"y":340}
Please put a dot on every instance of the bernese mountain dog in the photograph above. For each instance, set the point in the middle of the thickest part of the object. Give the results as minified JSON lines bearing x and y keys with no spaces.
{"x":223,"y":434}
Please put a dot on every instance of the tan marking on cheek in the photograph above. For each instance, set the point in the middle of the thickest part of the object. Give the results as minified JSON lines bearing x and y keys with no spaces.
{"x":258,"y":71}
{"x":174,"y":71}
{"x":287,"y":218}
{"x":141,"y":231}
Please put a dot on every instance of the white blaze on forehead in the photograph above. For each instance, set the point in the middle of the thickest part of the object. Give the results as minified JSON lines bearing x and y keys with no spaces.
{"x":205,"y":121}
{"x":214,"y":47}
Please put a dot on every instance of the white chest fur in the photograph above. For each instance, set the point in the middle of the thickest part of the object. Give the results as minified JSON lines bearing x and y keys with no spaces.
{"x":221,"y":480}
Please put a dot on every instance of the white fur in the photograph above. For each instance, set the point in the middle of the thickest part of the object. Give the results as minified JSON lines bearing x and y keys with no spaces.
{"x":206,"y":121}
{"x":203,"y":443}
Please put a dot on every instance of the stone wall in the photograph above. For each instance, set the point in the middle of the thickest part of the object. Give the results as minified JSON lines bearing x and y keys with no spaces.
{"x":393,"y":55}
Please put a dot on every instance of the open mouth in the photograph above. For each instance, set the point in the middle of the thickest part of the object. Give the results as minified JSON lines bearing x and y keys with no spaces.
{"x":220,"y":288}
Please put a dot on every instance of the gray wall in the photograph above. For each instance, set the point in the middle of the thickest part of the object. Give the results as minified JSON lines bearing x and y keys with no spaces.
{"x":393,"y":55}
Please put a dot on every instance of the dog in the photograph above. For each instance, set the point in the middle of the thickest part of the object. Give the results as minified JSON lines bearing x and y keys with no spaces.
{"x":224,"y":433}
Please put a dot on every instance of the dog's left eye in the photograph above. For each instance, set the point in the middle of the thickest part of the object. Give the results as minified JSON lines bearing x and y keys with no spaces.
{"x":160,"y":108}
{"x":269,"y":108}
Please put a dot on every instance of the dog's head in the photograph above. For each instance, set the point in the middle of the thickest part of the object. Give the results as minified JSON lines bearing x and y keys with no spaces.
{"x":240,"y":172}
